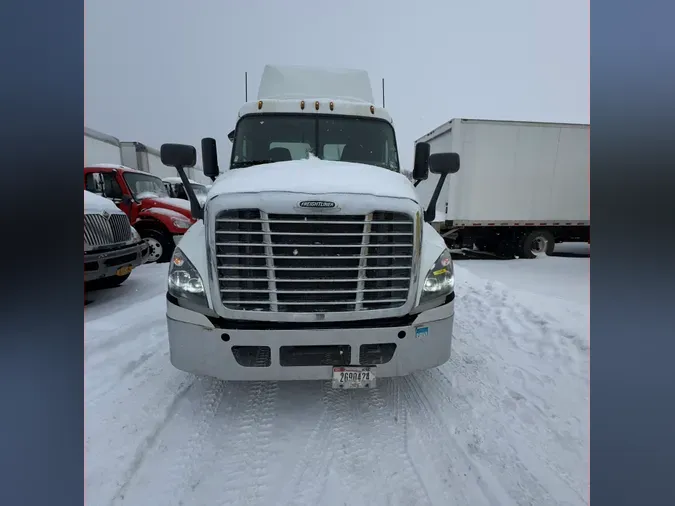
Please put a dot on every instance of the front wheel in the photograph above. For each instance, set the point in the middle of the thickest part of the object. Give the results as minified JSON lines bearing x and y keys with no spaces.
{"x":160,"y":245}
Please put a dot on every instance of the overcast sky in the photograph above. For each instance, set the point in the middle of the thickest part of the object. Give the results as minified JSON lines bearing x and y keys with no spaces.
{"x":173,"y":70}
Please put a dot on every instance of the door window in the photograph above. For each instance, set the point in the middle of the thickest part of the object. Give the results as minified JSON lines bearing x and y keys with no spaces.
{"x":104,"y":184}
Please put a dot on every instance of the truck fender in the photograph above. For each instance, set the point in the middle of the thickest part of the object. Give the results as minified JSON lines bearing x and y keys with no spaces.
{"x":162,"y":217}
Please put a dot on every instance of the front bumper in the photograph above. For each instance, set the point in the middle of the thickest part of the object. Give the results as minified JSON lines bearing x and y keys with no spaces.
{"x":105,"y":263}
{"x":200,"y":347}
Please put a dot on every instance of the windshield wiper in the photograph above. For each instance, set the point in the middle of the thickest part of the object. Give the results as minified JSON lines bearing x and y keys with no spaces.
{"x":249,"y":163}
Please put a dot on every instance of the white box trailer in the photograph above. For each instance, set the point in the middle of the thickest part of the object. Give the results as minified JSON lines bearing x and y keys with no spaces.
{"x":523,"y":186}
{"x":141,"y":157}
{"x":101,"y":148}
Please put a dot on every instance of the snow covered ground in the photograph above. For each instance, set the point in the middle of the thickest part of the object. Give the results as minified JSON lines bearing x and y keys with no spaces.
{"x":504,"y":422}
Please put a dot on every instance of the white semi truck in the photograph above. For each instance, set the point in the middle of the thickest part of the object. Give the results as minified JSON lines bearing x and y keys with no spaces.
{"x":313,"y":257}
{"x":523,"y":187}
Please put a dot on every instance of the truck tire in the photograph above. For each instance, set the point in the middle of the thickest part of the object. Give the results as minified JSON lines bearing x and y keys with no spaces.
{"x":160,"y":244}
{"x":537,"y":243}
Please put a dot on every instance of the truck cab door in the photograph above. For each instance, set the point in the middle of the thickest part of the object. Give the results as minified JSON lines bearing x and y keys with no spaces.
{"x":122,"y":195}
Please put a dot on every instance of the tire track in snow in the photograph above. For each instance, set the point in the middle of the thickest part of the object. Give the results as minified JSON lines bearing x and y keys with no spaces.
{"x":117,"y":429}
{"x":208,"y":408}
{"x":107,"y":384}
{"x":460,"y":479}
{"x":183,"y":467}
{"x":107,"y":332}
{"x":253,"y":444}
{"x":149,"y":442}
{"x":311,"y":472}
{"x":390,"y":424}
{"x":532,"y":476}
{"x":106,"y":342}
{"x":352,"y":453}
{"x":108,"y":390}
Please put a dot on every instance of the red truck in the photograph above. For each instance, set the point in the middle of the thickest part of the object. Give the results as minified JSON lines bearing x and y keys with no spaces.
{"x":158,"y":218}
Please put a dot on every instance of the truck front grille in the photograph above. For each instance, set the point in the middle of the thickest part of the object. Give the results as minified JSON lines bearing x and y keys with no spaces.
{"x":100,"y":230}
{"x":313,"y":263}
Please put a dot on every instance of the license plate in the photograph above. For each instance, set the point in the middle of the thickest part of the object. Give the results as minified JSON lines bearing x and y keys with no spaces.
{"x":123,"y":271}
{"x":353,"y":377}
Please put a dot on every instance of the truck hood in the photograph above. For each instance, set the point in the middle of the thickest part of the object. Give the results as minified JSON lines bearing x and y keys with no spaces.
{"x":96,"y":204}
{"x":178,"y":205}
{"x":315,"y":176}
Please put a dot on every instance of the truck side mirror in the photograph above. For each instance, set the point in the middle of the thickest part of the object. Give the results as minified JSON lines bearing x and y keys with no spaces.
{"x":421,"y":164}
{"x":444,"y":163}
{"x":210,"y":158}
{"x":182,"y":156}
{"x":178,"y":155}
{"x":441,"y":164}
{"x":231,"y":136}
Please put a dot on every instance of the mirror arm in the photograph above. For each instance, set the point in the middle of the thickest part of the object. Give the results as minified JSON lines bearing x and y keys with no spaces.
{"x":195,"y":207}
{"x":417,"y":182}
{"x":430,"y":213}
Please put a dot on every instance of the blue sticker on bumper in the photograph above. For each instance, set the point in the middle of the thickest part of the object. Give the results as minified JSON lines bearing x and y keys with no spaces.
{"x":421,"y":332}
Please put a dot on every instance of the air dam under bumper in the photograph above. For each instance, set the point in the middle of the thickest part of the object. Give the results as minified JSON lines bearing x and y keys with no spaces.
{"x":198,"y":347}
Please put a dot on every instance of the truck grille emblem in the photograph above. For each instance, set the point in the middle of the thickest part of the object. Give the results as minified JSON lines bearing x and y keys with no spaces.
{"x":317,"y":204}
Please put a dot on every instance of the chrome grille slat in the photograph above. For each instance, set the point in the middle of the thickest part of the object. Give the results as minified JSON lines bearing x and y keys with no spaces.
{"x":312,"y":257}
{"x":314,"y":268}
{"x":362,"y":290}
{"x":315,"y":222}
{"x":269,"y":260}
{"x":278,"y":245}
{"x":303,"y":303}
{"x":313,"y":263}
{"x":314,"y":234}
{"x":363,"y":261}
{"x":100,"y":231}
{"x":315,"y":280}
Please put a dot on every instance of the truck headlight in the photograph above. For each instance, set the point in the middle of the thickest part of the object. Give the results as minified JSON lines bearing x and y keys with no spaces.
{"x":135,"y":236}
{"x":184,"y":280}
{"x":440,"y":280}
{"x":180,"y":223}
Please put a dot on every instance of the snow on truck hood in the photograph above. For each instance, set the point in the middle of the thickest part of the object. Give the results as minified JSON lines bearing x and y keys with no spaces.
{"x":96,"y":204}
{"x":315,"y":176}
{"x":172,"y":202}
{"x":174,"y":207}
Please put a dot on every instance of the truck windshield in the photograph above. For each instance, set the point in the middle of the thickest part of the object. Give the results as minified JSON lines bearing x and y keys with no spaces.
{"x":145,"y":186}
{"x":176,"y":190}
{"x":266,"y":138}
